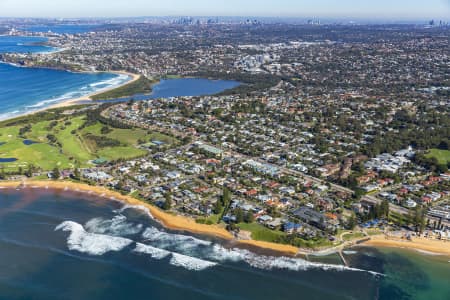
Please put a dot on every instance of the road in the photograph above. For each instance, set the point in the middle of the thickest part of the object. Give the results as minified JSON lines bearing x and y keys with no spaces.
{"x":335,"y":187}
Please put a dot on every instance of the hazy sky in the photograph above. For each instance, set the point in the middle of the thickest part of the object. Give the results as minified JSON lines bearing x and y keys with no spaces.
{"x":380,"y":9}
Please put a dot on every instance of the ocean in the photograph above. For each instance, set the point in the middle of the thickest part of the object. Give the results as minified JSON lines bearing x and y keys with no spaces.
{"x":63,"y":28}
{"x":24,"y":90}
{"x":69,"y":245}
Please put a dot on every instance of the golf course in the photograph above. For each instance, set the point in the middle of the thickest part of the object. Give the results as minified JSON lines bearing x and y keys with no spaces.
{"x":68,"y":142}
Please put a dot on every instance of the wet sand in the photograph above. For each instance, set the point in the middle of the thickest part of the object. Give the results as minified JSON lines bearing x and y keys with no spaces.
{"x":71,"y":102}
{"x":75,"y":101}
{"x":422,"y":245}
{"x":170,"y":221}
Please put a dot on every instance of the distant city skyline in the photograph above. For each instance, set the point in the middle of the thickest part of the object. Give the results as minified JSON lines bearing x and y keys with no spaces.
{"x":368,"y":9}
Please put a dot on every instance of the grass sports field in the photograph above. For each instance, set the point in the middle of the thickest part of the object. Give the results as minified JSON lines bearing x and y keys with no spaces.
{"x":63,"y":144}
{"x":443,"y":156}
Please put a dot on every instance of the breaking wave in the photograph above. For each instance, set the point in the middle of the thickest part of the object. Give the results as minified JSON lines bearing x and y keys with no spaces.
{"x":177,"y":259}
{"x":91,"y":243}
{"x":100,"y":236}
{"x":136,"y":207}
{"x":155,"y":253}
{"x":118,"y":226}
{"x":190,"y":263}
{"x":216,"y":253}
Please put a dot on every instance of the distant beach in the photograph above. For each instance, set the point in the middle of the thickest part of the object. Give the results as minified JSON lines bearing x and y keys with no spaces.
{"x":35,"y":89}
{"x":74,"y":101}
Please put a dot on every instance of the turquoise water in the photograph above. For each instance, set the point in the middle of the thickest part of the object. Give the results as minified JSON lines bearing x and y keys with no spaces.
{"x":65,"y":245}
{"x":24,"y":90}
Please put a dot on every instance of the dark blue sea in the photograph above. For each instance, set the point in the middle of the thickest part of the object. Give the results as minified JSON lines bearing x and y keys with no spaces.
{"x":69,"y":245}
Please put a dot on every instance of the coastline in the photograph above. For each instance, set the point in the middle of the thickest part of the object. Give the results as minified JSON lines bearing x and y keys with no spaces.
{"x":75,"y":101}
{"x":420,"y":245}
{"x":170,"y":221}
{"x":183,"y":223}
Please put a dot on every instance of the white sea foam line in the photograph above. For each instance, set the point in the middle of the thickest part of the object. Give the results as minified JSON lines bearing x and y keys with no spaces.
{"x":155,"y":253}
{"x":178,"y":242}
{"x":136,"y":207}
{"x":117,"y":226}
{"x":82,"y":92}
{"x":91,"y":243}
{"x":214,"y":252}
{"x":190,"y":263}
{"x":177,"y":259}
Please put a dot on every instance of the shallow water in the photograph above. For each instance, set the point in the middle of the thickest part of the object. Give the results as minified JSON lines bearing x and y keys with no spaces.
{"x":74,"y":246}
{"x":24,"y":90}
{"x":52,"y":244}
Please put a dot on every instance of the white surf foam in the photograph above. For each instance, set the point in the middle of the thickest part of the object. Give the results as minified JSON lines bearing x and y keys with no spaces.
{"x":188,"y":245}
{"x":155,"y":253}
{"x":117,"y":226}
{"x":175,"y":242}
{"x":190,"y":263}
{"x":91,"y":243}
{"x":136,"y":207}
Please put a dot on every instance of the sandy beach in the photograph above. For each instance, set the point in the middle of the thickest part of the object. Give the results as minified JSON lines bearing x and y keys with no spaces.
{"x":183,"y":223}
{"x":168,"y":220}
{"x":71,"y":102}
{"x":75,"y":101}
{"x":423,"y":245}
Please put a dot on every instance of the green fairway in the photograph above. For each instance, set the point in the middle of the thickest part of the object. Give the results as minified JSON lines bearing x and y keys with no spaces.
{"x":443,"y":156}
{"x":63,"y":144}
{"x":41,"y":155}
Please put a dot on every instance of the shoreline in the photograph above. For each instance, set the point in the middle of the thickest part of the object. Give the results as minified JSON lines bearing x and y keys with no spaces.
{"x":182,"y":223}
{"x":170,"y":221}
{"x":74,"y":101}
{"x":420,"y":245}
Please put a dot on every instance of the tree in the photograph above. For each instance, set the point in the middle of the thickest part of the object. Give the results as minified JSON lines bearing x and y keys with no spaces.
{"x":168,"y":202}
{"x":2,"y":173}
{"x":218,"y":207}
{"x":385,"y":209}
{"x":249,"y":218}
{"x":55,"y":173}
{"x":29,"y":171}
{"x":226,"y":196}
{"x":77,"y":174}
{"x":419,"y":219}
{"x":239,"y":215}
{"x":351,"y":222}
